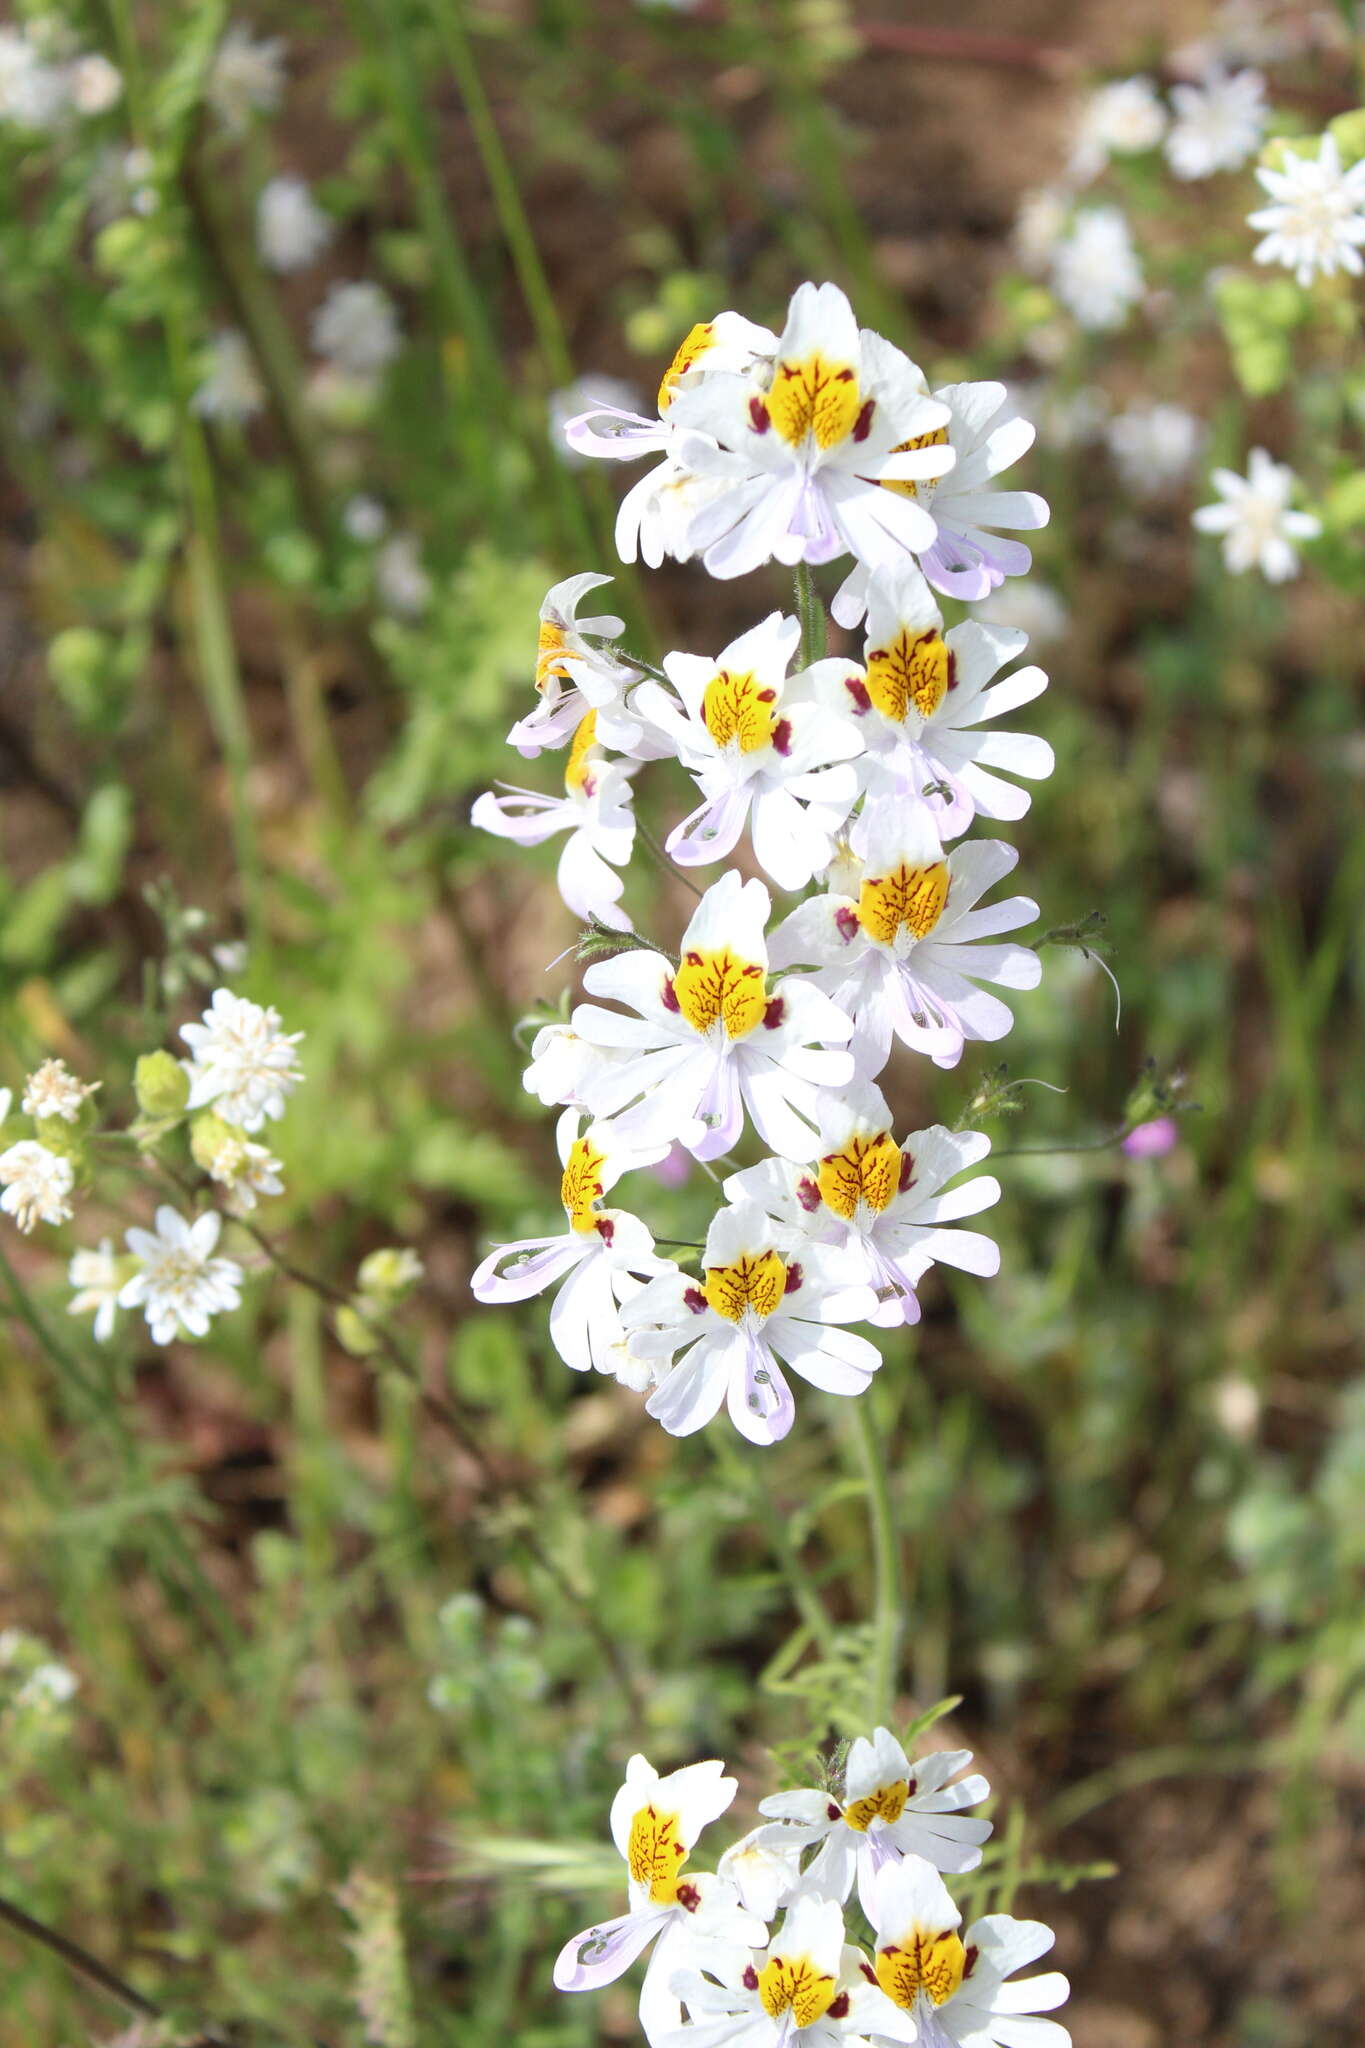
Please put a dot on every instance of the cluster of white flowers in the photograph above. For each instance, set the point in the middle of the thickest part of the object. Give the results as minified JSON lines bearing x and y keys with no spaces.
{"x":720,"y":1976}
{"x":852,"y":778}
{"x":45,"y":77}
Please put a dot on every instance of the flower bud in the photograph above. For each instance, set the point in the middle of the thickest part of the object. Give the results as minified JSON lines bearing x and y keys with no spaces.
{"x":161,"y":1084}
{"x":355,"y":1333}
{"x":390,"y":1273}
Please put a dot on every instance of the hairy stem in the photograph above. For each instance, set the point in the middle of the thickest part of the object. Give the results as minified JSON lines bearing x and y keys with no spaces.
{"x":886,"y":1616}
{"x":811,"y":614}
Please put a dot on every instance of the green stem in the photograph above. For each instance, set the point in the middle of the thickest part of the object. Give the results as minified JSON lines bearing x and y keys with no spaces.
{"x":773,"y":1523}
{"x":886,"y":1617}
{"x":811,"y":614}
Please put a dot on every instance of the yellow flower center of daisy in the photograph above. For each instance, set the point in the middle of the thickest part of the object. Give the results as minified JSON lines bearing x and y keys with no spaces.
{"x":691,"y":349}
{"x":931,"y":1963}
{"x":866,"y":1170}
{"x":738,"y":707}
{"x":814,"y":396}
{"x":793,"y":1984}
{"x":910,"y":673}
{"x":719,"y":987}
{"x":549,"y":653}
{"x":757,"y":1281}
{"x":581,"y":1185}
{"x":655,"y":1853}
{"x":886,"y":1803}
{"x":903,"y":899}
{"x":578,"y":767}
{"x":904,"y":487}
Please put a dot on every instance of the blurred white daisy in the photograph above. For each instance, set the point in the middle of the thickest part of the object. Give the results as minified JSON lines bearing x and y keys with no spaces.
{"x":53,"y":1090}
{"x":94,"y":84}
{"x":1095,"y":269}
{"x":242,"y":1064}
{"x":403,"y":585}
{"x":356,"y":328}
{"x":246,"y":78}
{"x":37,"y":1183}
{"x":291,"y":228}
{"x":179,"y":1284}
{"x":1255,"y":519}
{"x":96,"y":1278}
{"x":1120,"y":119}
{"x":1154,"y":446}
{"x":365,"y":519}
{"x":230,"y":388}
{"x":1217,"y":125}
{"x":1317,"y":221}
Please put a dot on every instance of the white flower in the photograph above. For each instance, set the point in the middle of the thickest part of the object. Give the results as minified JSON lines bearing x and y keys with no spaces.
{"x":53,"y":1090}
{"x":1039,"y":225}
{"x":955,"y":1990}
{"x":724,"y":1338}
{"x":603,"y":1253}
{"x":246,"y":78}
{"x":356,"y":328}
{"x":1122,"y":118}
{"x":901,"y":958}
{"x":1255,"y":519}
{"x":242,"y":1062}
{"x":561,"y":1065}
{"x":181,"y":1286}
{"x":655,"y":1823}
{"x":1154,"y":446}
{"x":803,"y":446}
{"x":37,"y":1183}
{"x":246,"y":1170}
{"x":1317,"y":222}
{"x":1065,"y":419}
{"x":879,"y":1205}
{"x":94,"y":84}
{"x":891,"y":1808}
{"x":33,"y":93}
{"x":1095,"y":269}
{"x":403,"y":585}
{"x":291,"y":228}
{"x":1034,"y":609}
{"x":575,"y":676}
{"x":766,"y":1873}
{"x":48,"y":1685}
{"x":6,"y":1103}
{"x":807,"y":1989}
{"x":1217,"y":125}
{"x":920,"y":701}
{"x":709,"y":1038}
{"x":364,"y":519}
{"x":230,"y":388}
{"x":95,"y":1275}
{"x":586,"y":395}
{"x":595,"y":812}
{"x":764,"y":753}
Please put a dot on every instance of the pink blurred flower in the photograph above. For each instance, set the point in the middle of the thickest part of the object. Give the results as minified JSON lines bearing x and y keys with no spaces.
{"x":1152,"y":1140}
{"x":674,"y":1167}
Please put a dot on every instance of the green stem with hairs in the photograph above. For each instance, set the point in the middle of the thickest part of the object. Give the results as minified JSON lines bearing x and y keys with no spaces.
{"x":811,"y":614}
{"x":886,"y":1615}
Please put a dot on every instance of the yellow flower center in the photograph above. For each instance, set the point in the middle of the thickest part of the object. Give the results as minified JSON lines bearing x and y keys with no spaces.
{"x":866,"y":1170}
{"x":931,"y":1963}
{"x":904,"y":898}
{"x":582,"y":1184}
{"x":756,"y":1281}
{"x":737,"y":707}
{"x":793,"y":1984}
{"x":815,"y":397}
{"x":886,"y":1803}
{"x":719,"y":987}
{"x":549,"y":653}
{"x":578,"y":767}
{"x":909,"y":673}
{"x":903,"y":486}
{"x":655,"y":1853}
{"x":691,"y":349}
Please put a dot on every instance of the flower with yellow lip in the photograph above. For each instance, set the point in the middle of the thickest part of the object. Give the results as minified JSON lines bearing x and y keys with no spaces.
{"x":595,"y":811}
{"x":711,"y":1035}
{"x":601,"y":1259}
{"x":953,"y":1985}
{"x":691,"y":1918}
{"x":901,"y":957}
{"x":577,"y":673}
{"x":890,"y":1808}
{"x":724,"y":1337}
{"x":765,"y":753}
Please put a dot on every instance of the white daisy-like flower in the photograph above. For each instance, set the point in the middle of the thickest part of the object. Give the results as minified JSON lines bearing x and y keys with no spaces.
{"x":1217,"y":125}
{"x":575,"y":675}
{"x":364,"y":519}
{"x":953,"y":1988}
{"x":724,"y":1339}
{"x":1255,"y":518}
{"x":246,"y":77}
{"x":96,"y":1277}
{"x":920,"y":702}
{"x":878,"y":1204}
{"x":711,"y":1037}
{"x":765,"y":753}
{"x":1095,"y":269}
{"x":1123,"y":118}
{"x":401,"y":582}
{"x":37,"y":1183}
{"x":356,"y":328}
{"x":53,"y":1090}
{"x":891,"y":1808}
{"x":808,"y":1988}
{"x":1154,"y":446}
{"x":804,"y":445}
{"x":600,"y":1258}
{"x":902,"y":958}
{"x":1039,"y":225}
{"x":179,"y":1284}
{"x":242,"y":1063}
{"x":94,"y":84}
{"x":230,"y":388}
{"x":1034,"y":609}
{"x":692,"y":1918}
{"x":245,"y":1169}
{"x":1316,"y":224}
{"x":33,"y":93}
{"x":594,"y":810}
{"x":291,"y":228}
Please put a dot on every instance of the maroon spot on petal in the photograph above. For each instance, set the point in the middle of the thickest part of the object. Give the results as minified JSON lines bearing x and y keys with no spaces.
{"x":750,"y":1977}
{"x":689,"y":1898}
{"x":952,"y":670}
{"x":910,"y":1787}
{"x":969,"y":1961}
{"x":834,"y":1811}
{"x":782,"y":736}
{"x":838,"y":2007}
{"x":857,"y":690}
{"x":862,"y":426}
{"x":693,"y":959}
{"x":767,"y":697}
{"x":695,"y":1299}
{"x":605,"y":1229}
{"x":670,"y":995}
{"x":846,"y":921}
{"x":747,"y":974}
{"x":758,"y":416}
{"x":794,"y":1277}
{"x":868,"y":1972}
{"x":774,"y":1012}
{"x":808,"y":1195}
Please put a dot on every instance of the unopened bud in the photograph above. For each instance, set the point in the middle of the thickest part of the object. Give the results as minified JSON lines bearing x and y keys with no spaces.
{"x":355,"y":1333}
{"x":390,"y":1273}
